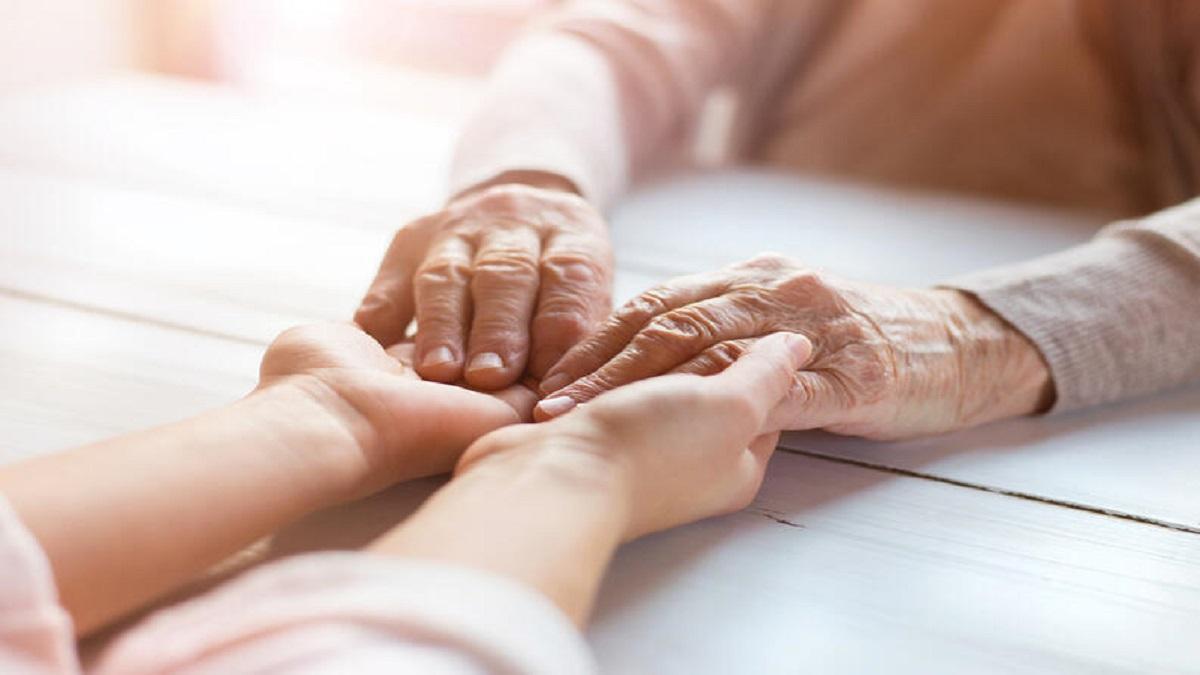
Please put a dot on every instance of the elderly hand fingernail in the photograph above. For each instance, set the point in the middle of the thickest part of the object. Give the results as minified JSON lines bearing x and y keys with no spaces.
{"x":553,"y":384}
{"x":486,"y":361}
{"x":437,"y":357}
{"x":553,"y":407}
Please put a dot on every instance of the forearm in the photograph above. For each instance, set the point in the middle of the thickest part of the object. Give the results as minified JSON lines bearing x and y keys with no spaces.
{"x":1114,"y":318}
{"x":1001,"y":374}
{"x":551,"y":107}
{"x":125,"y":520}
{"x":547,"y":517}
{"x":602,"y":90}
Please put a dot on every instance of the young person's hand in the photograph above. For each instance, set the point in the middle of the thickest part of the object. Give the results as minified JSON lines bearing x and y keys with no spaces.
{"x":399,"y":427}
{"x":334,"y":418}
{"x":503,"y":280}
{"x":673,"y":449}
{"x":547,"y":504}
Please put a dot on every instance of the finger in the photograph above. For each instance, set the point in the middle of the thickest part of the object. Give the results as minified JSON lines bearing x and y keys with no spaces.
{"x":818,"y":400}
{"x":388,"y":306}
{"x":668,"y":341}
{"x":504,"y":288}
{"x":443,"y":310}
{"x":766,"y":375}
{"x":520,"y":398}
{"x":575,"y":296}
{"x":402,"y":352}
{"x":597,"y":350}
{"x":716,"y":358}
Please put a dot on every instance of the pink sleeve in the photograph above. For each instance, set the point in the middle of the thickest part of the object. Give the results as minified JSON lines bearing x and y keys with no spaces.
{"x":36,"y":635}
{"x":604,"y":86}
{"x":353,"y":612}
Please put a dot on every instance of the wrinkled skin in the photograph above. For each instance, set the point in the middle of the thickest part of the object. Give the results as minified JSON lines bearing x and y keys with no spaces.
{"x":676,"y":448}
{"x":504,"y":280}
{"x":887,"y":363}
{"x":402,"y":427}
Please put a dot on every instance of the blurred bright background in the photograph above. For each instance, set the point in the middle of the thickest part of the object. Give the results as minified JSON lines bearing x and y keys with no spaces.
{"x":373,"y":50}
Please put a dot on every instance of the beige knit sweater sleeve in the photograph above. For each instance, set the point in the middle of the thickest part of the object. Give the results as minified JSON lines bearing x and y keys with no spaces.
{"x":1114,"y":318}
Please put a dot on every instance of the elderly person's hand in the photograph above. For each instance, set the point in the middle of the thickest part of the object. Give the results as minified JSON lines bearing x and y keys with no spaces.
{"x":887,"y":362}
{"x":666,"y":451}
{"x":505,"y":278}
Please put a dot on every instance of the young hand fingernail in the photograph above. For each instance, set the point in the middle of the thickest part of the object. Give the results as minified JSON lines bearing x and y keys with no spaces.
{"x":553,"y":407}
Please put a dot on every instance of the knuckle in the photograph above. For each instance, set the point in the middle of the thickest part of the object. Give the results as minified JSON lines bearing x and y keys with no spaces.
{"x":574,"y":267}
{"x":689,"y":323}
{"x":442,"y":272}
{"x":506,"y":265}
{"x":803,"y":280}
{"x":676,"y":332}
{"x":809,"y":286}
{"x":725,"y":354}
{"x":561,"y":326}
{"x":640,"y":310}
{"x":769,"y":261}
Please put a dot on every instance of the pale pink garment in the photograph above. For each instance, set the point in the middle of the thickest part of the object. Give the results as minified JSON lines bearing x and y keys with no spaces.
{"x":1081,"y":103}
{"x":318,"y":613}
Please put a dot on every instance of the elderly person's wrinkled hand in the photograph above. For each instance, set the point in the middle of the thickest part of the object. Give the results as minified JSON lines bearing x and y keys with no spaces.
{"x":887,"y":362}
{"x":504,"y":279}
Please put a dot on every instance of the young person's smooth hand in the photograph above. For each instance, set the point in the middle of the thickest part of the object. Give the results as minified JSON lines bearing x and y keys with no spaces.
{"x":671,"y":449}
{"x":399,"y":427}
{"x":503,"y":280}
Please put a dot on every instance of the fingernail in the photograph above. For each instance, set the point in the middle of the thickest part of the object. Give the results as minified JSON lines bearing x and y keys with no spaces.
{"x":553,"y":407}
{"x":437,"y":357}
{"x":554,"y":383}
{"x":800,"y":346}
{"x":486,"y":361}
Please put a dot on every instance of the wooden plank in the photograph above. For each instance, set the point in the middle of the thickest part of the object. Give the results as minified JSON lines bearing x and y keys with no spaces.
{"x":186,"y":262}
{"x":840,"y":569}
{"x":179,"y":260}
{"x":835,"y":568}
{"x":363,"y":165}
{"x":699,"y":222}
{"x":72,"y":377}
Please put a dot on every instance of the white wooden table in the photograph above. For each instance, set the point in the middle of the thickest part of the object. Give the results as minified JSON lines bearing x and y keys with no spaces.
{"x":157,"y":234}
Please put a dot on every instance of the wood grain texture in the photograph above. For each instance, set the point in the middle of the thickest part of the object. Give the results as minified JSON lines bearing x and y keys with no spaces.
{"x":357,"y":165}
{"x":840,"y":569}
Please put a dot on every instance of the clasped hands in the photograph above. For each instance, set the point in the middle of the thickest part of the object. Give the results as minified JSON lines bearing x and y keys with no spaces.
{"x":510,"y":286}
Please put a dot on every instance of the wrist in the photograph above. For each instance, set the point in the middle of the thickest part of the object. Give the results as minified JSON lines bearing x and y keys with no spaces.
{"x":1002,"y":372}
{"x":319,"y":439}
{"x":572,"y":461}
{"x":542,"y":180}
{"x":540,"y":512}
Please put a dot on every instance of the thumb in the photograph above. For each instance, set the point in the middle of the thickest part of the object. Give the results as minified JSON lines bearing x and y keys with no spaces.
{"x":767,"y":372}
